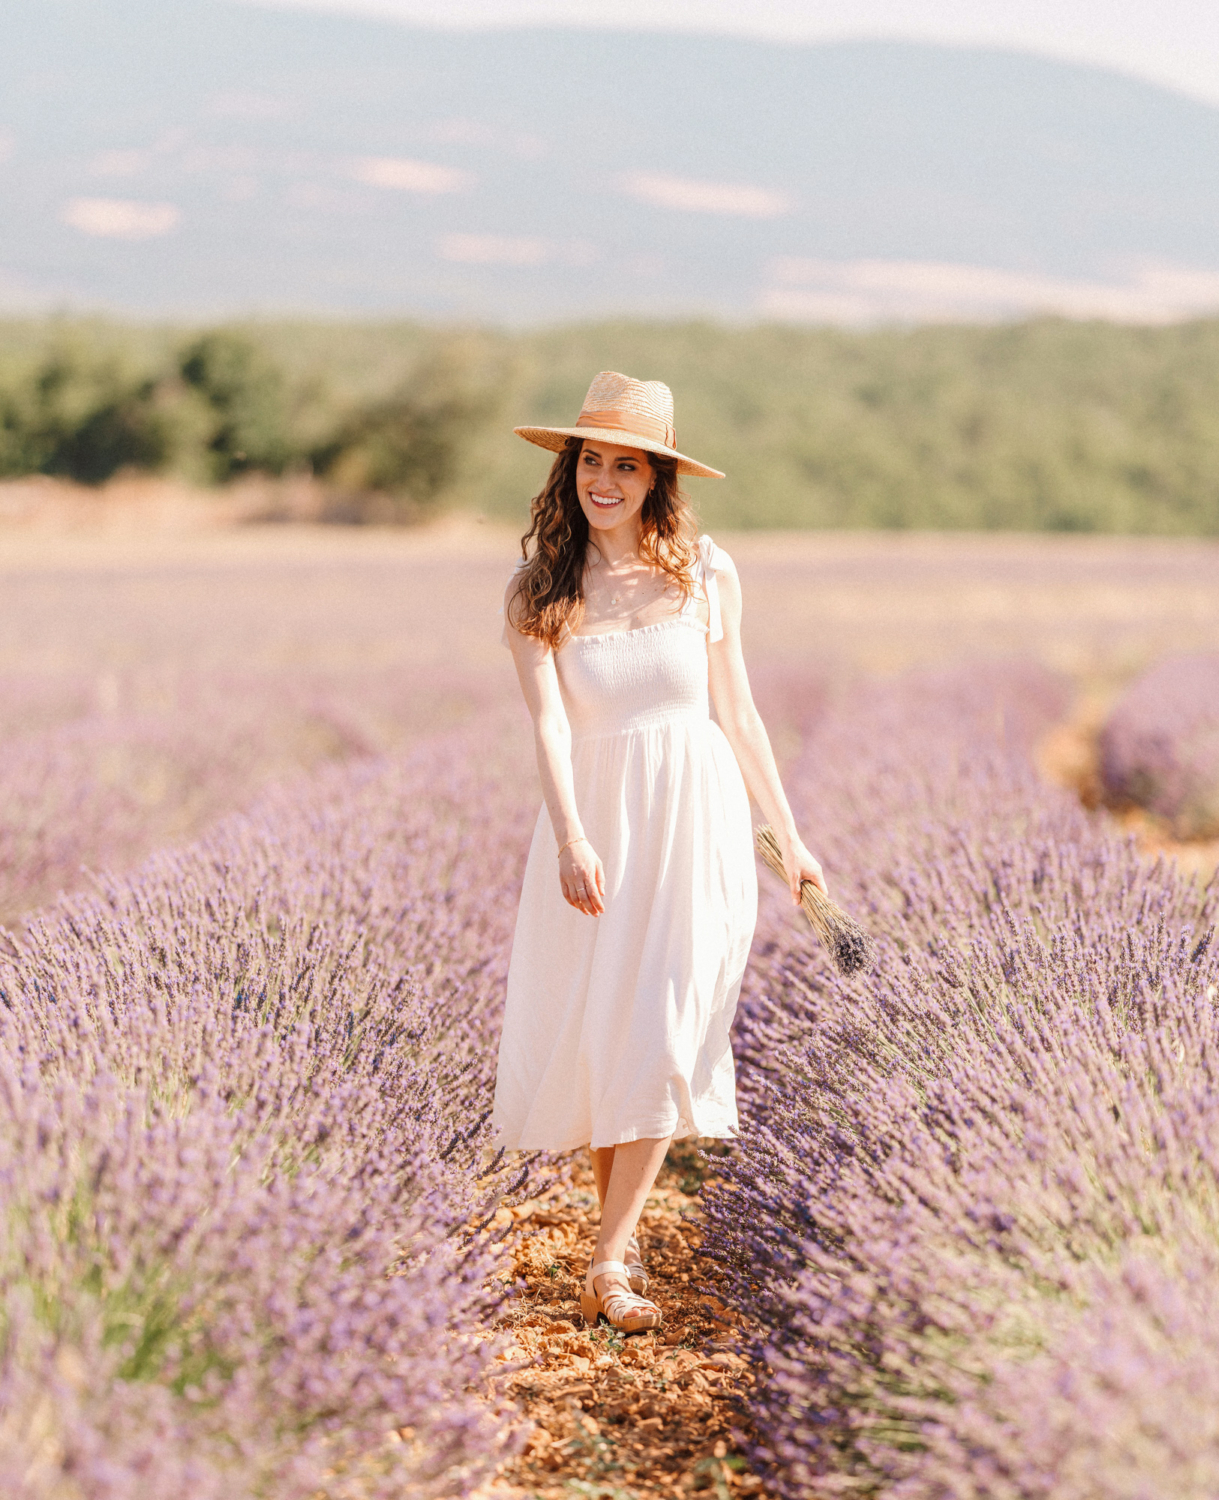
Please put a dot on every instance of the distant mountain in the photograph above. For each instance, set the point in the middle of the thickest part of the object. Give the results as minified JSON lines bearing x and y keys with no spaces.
{"x":198,"y":157}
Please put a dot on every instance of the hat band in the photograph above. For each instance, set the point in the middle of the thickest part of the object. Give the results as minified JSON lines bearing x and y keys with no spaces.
{"x":639,"y":422}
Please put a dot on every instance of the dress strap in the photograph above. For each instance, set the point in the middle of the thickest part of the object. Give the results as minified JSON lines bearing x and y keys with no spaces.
{"x":709,"y":556}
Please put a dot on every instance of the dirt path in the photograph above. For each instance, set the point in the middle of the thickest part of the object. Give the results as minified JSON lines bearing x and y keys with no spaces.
{"x":649,"y":1415}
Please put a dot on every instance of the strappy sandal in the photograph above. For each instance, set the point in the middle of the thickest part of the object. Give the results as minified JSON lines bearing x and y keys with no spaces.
{"x":635,"y":1273}
{"x":621,"y":1310}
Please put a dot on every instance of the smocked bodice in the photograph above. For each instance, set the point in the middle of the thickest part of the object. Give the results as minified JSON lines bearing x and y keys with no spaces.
{"x":634,"y":679}
{"x":656,"y":674}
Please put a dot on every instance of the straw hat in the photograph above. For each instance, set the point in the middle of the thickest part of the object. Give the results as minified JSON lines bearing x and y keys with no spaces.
{"x":629,"y":413}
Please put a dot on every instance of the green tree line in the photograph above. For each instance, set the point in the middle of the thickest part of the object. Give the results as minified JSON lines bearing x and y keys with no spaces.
{"x":1043,"y":425}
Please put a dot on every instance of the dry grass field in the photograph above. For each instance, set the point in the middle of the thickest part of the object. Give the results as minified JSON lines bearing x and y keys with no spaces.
{"x":1094,"y":607}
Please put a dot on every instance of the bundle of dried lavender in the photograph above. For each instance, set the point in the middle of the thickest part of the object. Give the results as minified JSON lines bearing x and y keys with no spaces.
{"x":841,"y":935}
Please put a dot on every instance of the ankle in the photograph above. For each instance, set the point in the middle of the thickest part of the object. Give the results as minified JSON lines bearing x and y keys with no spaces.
{"x":611,"y":1247}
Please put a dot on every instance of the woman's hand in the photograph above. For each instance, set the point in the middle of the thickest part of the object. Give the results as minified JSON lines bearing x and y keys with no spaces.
{"x":800,"y":866}
{"x":739,"y":719}
{"x":582,"y":877}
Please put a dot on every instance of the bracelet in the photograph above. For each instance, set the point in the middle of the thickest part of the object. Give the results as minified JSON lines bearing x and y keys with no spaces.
{"x":569,"y":843}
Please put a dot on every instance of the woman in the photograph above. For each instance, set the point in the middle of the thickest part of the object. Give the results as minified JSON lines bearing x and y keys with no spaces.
{"x":628,"y":958}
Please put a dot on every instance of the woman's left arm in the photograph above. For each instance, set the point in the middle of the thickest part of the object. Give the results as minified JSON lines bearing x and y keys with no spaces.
{"x":745,"y":732}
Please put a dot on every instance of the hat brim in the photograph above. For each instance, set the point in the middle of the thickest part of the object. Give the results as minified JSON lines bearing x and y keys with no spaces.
{"x":555,"y":439}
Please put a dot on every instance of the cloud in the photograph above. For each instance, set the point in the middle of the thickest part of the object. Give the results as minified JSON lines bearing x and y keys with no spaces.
{"x":877,"y":291}
{"x":512,"y":250}
{"x":403,"y":175}
{"x":120,"y":218}
{"x":687,"y":195}
{"x":493,"y":250}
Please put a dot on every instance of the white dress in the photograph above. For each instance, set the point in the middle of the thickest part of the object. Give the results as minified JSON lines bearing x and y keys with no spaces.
{"x":616,"y":1027}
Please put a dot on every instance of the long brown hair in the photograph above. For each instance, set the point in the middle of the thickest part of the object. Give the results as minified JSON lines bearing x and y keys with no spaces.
{"x":550,"y":587}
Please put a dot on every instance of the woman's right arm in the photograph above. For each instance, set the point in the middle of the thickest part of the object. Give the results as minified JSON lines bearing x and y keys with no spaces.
{"x":581,"y":874}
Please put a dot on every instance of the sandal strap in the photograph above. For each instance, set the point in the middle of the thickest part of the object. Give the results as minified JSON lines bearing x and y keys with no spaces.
{"x":602,"y":1267}
{"x":620,"y":1305}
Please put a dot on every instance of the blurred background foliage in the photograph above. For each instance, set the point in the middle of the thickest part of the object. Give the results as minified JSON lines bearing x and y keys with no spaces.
{"x":1043,"y":425}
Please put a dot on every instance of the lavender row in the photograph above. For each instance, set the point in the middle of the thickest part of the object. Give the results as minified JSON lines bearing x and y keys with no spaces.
{"x":1160,"y":745}
{"x":100,"y":772}
{"x":244,"y":1151}
{"x":974,"y":1214}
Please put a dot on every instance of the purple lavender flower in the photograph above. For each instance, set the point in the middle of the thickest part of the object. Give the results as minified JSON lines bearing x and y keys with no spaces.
{"x":245,"y":1158}
{"x":1160,"y":746}
{"x":244,"y":1150}
{"x":944,"y":1166}
{"x":100,"y":774}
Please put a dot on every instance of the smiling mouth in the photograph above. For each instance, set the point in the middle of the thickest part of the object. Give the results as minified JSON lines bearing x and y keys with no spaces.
{"x":603,"y":504}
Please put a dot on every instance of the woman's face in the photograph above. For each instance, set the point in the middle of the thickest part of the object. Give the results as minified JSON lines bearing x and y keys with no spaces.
{"x":612,"y":484}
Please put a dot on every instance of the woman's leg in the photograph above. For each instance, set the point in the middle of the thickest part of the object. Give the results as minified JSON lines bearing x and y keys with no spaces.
{"x":603,"y":1165}
{"x":629,"y":1174}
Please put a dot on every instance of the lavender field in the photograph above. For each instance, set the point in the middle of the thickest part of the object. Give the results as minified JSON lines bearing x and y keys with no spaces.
{"x":252,"y":1230}
{"x":973,"y":1215}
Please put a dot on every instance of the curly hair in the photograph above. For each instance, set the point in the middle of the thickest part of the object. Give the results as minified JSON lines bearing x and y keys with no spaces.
{"x":550,"y":587}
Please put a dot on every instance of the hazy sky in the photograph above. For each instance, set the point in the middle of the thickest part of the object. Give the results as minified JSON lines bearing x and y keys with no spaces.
{"x":1171,"y":41}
